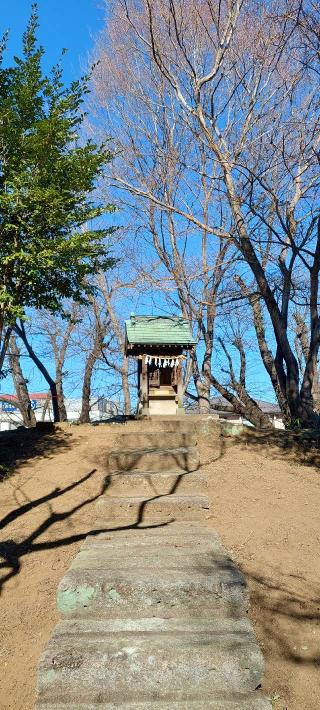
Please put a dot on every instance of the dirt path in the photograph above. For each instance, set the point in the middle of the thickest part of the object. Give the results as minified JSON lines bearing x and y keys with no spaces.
{"x":47,"y":507}
{"x":265,"y":506}
{"x":267,"y":510}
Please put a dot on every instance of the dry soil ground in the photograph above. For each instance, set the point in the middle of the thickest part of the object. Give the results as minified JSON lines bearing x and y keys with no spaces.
{"x":265,"y":503}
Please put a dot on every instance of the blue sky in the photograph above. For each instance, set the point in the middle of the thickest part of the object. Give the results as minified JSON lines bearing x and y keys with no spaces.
{"x":63,"y":23}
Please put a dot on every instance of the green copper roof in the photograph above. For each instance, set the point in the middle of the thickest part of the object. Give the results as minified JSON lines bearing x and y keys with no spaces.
{"x":158,"y":330}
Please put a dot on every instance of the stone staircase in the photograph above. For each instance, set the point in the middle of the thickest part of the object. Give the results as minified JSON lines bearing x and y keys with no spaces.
{"x":153,"y":610}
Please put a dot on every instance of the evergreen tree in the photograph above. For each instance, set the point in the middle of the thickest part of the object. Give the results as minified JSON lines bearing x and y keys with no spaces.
{"x":48,"y":176}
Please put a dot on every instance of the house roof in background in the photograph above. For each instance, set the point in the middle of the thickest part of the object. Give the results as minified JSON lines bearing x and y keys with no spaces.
{"x":32,"y":395}
{"x":158,"y":330}
{"x":222,"y":404}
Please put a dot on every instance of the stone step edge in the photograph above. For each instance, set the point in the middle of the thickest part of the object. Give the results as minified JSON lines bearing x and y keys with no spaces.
{"x":205,"y":581}
{"x":247,"y":701}
{"x":158,"y":626}
{"x":154,"y":450}
{"x":154,"y":432}
{"x":161,"y":497}
{"x":152,"y":472}
{"x":110,"y":539}
{"x":176,"y":528}
{"x":168,"y":558}
{"x":178,"y":438}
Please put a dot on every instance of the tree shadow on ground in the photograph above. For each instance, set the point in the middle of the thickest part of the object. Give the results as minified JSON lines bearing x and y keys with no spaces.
{"x":13,"y":552}
{"x":302,"y":447}
{"x":275,"y":605}
{"x":33,"y":443}
{"x":299,"y":447}
{"x":23,"y":444}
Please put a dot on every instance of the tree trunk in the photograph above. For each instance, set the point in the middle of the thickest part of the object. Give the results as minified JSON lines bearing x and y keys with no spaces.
{"x":246,"y":407}
{"x":20,"y":384}
{"x":125,"y":386}
{"x":45,"y":407}
{"x":203,"y":392}
{"x":124,"y":369}
{"x":60,"y":396}
{"x":202,"y":385}
{"x":96,"y":352}
{"x":86,"y":388}
{"x":302,"y":348}
{"x":4,"y":343}
{"x":60,"y":352}
{"x":52,"y":385}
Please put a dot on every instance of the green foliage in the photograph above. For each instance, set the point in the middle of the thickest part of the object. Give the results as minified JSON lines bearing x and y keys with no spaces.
{"x":48,"y":177}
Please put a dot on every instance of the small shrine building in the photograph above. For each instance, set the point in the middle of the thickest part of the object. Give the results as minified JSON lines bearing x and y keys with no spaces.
{"x":158,"y":344}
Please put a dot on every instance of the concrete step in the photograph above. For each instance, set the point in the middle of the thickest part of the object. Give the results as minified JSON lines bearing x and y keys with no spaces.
{"x":166,"y":557}
{"x":234,"y":701}
{"x":134,"y":510}
{"x":251,"y":701}
{"x":180,"y":535}
{"x":190,"y":534}
{"x":140,"y":660}
{"x":106,"y":593}
{"x":167,"y":424}
{"x":180,"y":458}
{"x":155,"y":439}
{"x":164,"y":483}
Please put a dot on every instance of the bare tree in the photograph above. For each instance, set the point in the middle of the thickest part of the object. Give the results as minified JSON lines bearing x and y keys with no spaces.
{"x":188,"y":271}
{"x":235,"y":80}
{"x":87,"y":339}
{"x":98,"y":329}
{"x":309,"y":26}
{"x":114,"y":355}
{"x":58,"y":331}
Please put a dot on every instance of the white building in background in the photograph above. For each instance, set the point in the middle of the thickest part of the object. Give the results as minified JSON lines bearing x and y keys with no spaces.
{"x":10,"y":417}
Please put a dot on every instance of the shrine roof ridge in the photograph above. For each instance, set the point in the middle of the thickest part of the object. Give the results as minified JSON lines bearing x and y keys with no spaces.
{"x":158,"y":330}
